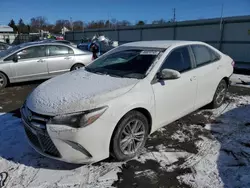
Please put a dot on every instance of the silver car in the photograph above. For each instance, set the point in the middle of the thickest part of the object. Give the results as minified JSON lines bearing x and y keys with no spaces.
{"x":36,"y":60}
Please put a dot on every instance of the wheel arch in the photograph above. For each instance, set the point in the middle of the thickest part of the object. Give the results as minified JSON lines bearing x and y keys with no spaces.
{"x":78,"y":63}
{"x":142,"y":110}
{"x":8,"y":80}
{"x":227,"y":79}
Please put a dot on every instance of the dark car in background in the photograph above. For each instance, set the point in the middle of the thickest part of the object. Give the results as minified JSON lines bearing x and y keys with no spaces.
{"x":4,"y":46}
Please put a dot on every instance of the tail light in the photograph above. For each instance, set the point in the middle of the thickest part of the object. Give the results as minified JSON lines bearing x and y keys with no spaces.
{"x":233,"y":63}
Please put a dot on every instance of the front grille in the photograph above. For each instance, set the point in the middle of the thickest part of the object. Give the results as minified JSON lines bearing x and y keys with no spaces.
{"x":49,"y":146}
{"x":32,"y":137}
{"x":40,"y":139}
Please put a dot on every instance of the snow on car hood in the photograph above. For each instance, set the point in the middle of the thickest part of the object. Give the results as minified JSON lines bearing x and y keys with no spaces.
{"x":76,"y":91}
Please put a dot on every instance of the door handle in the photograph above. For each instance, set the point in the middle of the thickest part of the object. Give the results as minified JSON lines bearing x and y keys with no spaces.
{"x":67,"y":58}
{"x":193,"y":78}
{"x":40,"y":60}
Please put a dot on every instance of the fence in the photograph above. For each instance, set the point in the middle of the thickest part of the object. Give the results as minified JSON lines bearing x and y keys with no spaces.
{"x":230,"y":35}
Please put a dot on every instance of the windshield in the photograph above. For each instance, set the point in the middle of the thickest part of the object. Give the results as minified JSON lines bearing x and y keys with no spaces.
{"x":9,"y":50}
{"x":130,"y":63}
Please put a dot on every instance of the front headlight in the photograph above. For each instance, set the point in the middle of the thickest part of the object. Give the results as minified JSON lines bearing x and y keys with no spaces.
{"x":77,"y":120}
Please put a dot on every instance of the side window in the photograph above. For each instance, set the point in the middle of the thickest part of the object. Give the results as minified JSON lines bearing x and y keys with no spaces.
{"x":32,"y":52}
{"x":203,"y":55}
{"x":178,"y":60}
{"x":59,"y":50}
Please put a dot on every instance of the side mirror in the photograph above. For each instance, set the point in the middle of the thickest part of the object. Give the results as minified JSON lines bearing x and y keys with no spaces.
{"x":168,"y":74}
{"x":15,"y":58}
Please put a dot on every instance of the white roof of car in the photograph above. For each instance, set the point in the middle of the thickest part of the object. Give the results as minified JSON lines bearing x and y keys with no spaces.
{"x":160,"y":43}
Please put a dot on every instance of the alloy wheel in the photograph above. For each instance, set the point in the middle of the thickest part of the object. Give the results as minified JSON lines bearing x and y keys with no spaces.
{"x":132,"y":137}
{"x":221,"y":93}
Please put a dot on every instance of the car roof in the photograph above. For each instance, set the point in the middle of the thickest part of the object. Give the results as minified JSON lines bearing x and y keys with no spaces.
{"x":41,"y":42}
{"x":160,"y":43}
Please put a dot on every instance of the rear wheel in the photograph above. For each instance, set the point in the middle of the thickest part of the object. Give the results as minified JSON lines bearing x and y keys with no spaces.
{"x":130,"y":136}
{"x":3,"y":80}
{"x":220,"y":94}
{"x":77,"y":66}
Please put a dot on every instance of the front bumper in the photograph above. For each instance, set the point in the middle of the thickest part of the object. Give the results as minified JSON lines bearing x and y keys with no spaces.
{"x":84,"y":145}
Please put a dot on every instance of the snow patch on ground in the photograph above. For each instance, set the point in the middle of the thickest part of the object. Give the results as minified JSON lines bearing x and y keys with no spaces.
{"x":240,"y":80}
{"x":227,"y":163}
{"x":221,"y":160}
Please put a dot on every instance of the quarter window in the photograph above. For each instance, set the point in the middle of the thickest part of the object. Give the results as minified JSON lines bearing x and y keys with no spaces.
{"x":178,"y":60}
{"x":59,"y":50}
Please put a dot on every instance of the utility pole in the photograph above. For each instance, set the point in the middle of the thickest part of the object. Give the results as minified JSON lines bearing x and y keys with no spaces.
{"x":221,"y":16}
{"x":71,"y":23}
{"x":174,"y":17}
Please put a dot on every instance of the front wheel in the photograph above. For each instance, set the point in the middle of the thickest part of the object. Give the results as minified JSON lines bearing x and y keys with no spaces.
{"x":220,"y":94}
{"x":3,"y":81}
{"x":130,"y":136}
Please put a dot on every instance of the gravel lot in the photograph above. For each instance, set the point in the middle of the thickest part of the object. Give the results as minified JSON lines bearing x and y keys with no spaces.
{"x":208,"y":148}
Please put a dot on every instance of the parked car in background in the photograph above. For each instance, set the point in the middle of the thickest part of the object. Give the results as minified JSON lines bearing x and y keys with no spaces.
{"x":113,"y":104}
{"x":60,"y":41}
{"x":66,"y":42}
{"x":4,"y":46}
{"x":59,"y":37}
{"x":84,"y":46}
{"x":39,"y":60}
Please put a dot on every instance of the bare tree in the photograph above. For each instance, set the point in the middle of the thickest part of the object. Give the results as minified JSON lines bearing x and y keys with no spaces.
{"x":123,"y":23}
{"x":97,"y":24}
{"x":78,"y":25}
{"x":161,"y":21}
{"x":60,"y":24}
{"x":38,"y":23}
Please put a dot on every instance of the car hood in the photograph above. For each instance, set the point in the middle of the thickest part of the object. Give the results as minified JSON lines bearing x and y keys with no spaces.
{"x":76,"y":91}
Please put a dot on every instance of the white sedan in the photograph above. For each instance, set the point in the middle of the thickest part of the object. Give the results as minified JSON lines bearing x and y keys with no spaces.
{"x":113,"y":104}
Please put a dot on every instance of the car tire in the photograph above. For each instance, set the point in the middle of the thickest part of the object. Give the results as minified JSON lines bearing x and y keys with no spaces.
{"x":3,"y":81}
{"x":129,"y":136}
{"x":77,"y":66}
{"x":220,"y":94}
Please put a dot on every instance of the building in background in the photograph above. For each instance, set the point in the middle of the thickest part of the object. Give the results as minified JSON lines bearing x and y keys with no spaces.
{"x":6,"y":29}
{"x":64,"y":30}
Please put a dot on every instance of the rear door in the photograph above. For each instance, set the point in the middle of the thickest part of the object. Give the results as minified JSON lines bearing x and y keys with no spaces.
{"x":207,"y":69}
{"x":60,"y":59}
{"x":31,"y":64}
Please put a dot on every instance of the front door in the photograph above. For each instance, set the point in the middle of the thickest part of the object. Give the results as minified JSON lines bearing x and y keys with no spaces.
{"x":31,"y":64}
{"x":175,"y":98}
